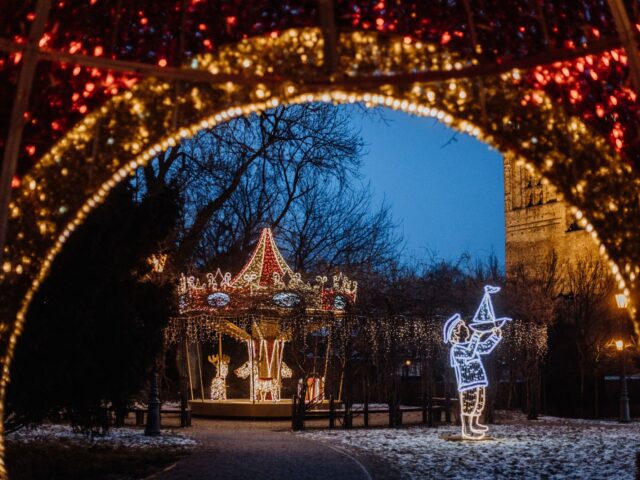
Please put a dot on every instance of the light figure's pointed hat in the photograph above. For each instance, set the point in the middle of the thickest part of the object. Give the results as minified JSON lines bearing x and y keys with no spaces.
{"x":485,"y":317}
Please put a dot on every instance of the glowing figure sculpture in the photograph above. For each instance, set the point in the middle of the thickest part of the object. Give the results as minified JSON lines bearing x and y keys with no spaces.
{"x":219,"y":381}
{"x":265,"y":368}
{"x":468,"y":345}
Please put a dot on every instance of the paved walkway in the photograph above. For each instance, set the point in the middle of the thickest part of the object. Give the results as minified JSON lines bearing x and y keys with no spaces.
{"x":266,"y":450}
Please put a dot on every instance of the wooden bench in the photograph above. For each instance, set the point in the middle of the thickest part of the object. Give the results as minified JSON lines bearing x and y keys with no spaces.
{"x":140,"y":414}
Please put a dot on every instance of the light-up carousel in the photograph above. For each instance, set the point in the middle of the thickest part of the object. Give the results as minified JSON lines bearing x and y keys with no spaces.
{"x":255,"y":308}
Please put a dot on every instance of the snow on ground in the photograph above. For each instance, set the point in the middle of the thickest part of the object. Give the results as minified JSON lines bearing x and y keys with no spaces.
{"x":114,"y":438}
{"x":550,"y":448}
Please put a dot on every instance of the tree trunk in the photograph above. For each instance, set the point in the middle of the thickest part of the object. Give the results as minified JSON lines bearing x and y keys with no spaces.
{"x":596,"y":395}
{"x":534,"y":390}
{"x":581,"y":396}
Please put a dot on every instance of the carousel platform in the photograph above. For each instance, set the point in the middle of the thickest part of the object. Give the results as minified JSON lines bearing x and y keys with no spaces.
{"x":237,"y":408}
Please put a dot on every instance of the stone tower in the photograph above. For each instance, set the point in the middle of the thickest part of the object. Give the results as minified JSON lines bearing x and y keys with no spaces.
{"x":537,"y":221}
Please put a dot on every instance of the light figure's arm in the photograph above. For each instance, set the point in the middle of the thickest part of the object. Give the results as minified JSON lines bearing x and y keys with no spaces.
{"x":486,"y":346}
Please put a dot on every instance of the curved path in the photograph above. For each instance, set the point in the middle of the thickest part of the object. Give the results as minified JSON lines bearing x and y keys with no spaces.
{"x":257,"y":450}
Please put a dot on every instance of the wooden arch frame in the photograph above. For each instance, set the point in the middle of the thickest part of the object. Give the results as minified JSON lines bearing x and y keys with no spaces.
{"x":129,"y":130}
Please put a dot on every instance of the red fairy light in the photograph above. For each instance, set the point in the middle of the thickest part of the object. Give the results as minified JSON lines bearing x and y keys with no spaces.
{"x":30,"y":149}
{"x":599,"y":110}
{"x":44,"y":40}
{"x":231,"y":21}
{"x":446,"y":38}
{"x":31,"y":16}
{"x":274,"y":34}
{"x":98,"y":51}
{"x":76,"y":71}
{"x":162,"y":62}
{"x":15,"y":181}
{"x":407,"y":39}
{"x":202,"y":27}
{"x":17,"y":57}
{"x":379,"y":22}
{"x":207,"y":43}
{"x":144,"y":21}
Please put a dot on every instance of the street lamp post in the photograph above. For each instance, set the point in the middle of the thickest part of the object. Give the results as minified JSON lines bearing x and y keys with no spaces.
{"x":153,"y":415}
{"x":625,"y":416}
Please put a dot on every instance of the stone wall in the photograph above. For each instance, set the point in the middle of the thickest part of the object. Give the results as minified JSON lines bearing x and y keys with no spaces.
{"x":537,"y":223}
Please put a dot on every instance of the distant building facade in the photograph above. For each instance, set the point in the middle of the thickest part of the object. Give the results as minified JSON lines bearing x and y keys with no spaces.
{"x":537,"y":222}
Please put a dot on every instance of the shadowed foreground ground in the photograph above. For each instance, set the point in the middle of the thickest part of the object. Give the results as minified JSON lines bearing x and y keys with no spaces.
{"x":267,"y":450}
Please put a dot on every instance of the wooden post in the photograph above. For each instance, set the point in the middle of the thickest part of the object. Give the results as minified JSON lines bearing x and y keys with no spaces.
{"x":332,"y":412}
{"x":447,"y":408}
{"x":430,"y":412}
{"x":626,"y":33}
{"x":348,"y":415}
{"x":366,"y":404}
{"x":294,"y":422}
{"x":17,"y":120}
{"x":329,"y":36}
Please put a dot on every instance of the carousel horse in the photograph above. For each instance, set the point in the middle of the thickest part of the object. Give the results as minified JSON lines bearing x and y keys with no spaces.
{"x":218,"y":383}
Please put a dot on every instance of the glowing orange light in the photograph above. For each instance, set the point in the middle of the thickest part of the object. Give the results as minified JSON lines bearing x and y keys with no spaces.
{"x":162,"y":62}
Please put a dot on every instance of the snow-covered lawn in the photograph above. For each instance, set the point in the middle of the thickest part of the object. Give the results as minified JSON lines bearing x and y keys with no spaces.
{"x":550,"y":448}
{"x":115,"y":438}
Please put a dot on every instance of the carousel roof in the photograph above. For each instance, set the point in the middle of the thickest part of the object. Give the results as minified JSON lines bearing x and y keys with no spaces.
{"x":266,"y":265}
{"x":266,"y":282}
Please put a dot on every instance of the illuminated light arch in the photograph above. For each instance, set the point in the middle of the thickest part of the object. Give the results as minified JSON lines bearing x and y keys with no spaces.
{"x":126,"y":132}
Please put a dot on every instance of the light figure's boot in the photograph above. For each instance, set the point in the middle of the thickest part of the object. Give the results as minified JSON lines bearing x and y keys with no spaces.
{"x":467,"y":432}
{"x":476,"y":426}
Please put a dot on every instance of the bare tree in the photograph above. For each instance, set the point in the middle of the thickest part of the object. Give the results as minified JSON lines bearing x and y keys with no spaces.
{"x":587,"y":308}
{"x":531,"y":296}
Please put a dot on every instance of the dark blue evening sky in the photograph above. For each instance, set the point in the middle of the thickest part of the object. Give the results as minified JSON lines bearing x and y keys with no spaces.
{"x":447,"y":197}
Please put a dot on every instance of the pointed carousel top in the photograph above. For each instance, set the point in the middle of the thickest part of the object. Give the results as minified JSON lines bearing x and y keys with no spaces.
{"x":266,"y":265}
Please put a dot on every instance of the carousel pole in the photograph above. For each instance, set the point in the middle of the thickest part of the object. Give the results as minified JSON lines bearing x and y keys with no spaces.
{"x":200,"y":370}
{"x":186,"y":345}
{"x":253,"y":387}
